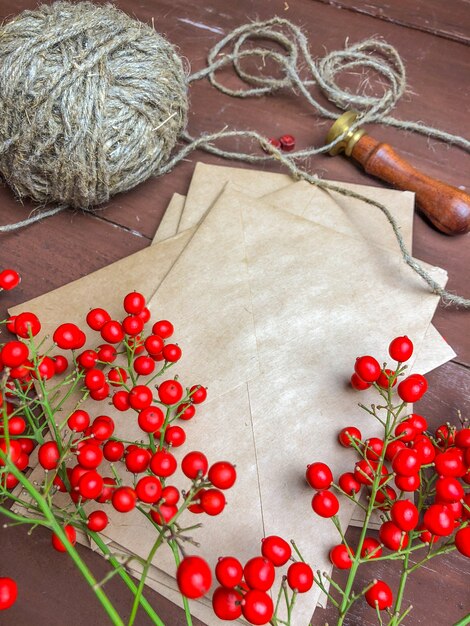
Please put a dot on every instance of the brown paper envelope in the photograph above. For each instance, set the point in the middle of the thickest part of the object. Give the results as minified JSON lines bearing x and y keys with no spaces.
{"x":206,"y":189}
{"x":356,"y":218}
{"x":208,"y":181}
{"x":171,"y":218}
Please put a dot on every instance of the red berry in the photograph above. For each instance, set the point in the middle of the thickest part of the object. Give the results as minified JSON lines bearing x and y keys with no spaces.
{"x":300,"y":577}
{"x":175,"y":436}
{"x":113,"y":451}
{"x":439,"y":520}
{"x":154,"y":344}
{"x":339,"y":556}
{"x":185,"y":411}
{"x":413,"y":388}
{"x":406,"y":462}
{"x":124,"y":499}
{"x":97,"y":521}
{"x":132,"y":325}
{"x":259,"y":573}
{"x":151,"y":419}
{"x":112,"y":332}
{"x":222,"y":475}
{"x":404,"y":514}
{"x":48,"y":455}
{"x":94,"y":379}
{"x":450,"y":463}
{"x":448,"y":489}
{"x":194,"y":464}
{"x":164,"y":515}
{"x":71,"y":536}
{"x":170,"y":495}
{"x":171,"y":353}
{"x":149,"y":489}
{"x":163,"y":329}
{"x":9,"y":279}
{"x":325,"y":504}
{"x":90,"y":456}
{"x":137,"y":460}
{"x":367,"y":368}
{"x":69,"y":337}
{"x":257,"y":607}
{"x":385,"y":378}
{"x":379,"y":596}
{"x":276,"y":549}
{"x":462,"y":541}
{"x":418,"y":422}
{"x":373,"y":448}
{"x":134,"y":303}
{"x":97,"y":318}
{"x":401,"y":349}
{"x":198,"y":394}
{"x":14,"y":353}
{"x":405,"y":431}
{"x":212,"y":501}
{"x":27,"y":324}
{"x":163,"y":463}
{"x":408,"y":483}
{"x":358,"y":383}
{"x":229,"y":571}
{"x":170,"y":392}
{"x":140,"y":397}
{"x":144,"y":365}
{"x":194,"y":577}
{"x":349,"y":484}
{"x":90,"y":485}
{"x":60,"y":364}
{"x":121,"y":400}
{"x":117,"y":376}
{"x":319,"y":476}
{"x":8,"y":593}
{"x":371,"y":548}
{"x":226,"y":603}
{"x":392,"y":536}
{"x":348,"y":434}
{"x":106,"y":353}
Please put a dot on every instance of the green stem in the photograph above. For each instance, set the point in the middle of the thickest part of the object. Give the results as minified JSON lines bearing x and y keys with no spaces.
{"x":145,"y":570}
{"x":401,"y":590}
{"x":187,"y":612}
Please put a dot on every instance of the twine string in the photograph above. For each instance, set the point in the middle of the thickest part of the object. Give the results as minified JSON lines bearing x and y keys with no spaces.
{"x":300,"y":72}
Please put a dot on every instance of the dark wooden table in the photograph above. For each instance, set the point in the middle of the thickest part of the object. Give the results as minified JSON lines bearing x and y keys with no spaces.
{"x":432,"y":37}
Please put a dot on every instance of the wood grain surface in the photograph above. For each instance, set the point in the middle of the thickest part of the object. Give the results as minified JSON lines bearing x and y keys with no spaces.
{"x":431,"y":37}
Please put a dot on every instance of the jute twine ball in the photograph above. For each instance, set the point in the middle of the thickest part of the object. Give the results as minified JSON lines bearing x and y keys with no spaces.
{"x":91,"y":103}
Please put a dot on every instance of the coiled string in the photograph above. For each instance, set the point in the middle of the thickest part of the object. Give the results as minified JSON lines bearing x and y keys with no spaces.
{"x":370,"y":55}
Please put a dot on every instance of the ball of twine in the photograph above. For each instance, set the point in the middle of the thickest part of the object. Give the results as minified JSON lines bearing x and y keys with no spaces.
{"x":91,"y":103}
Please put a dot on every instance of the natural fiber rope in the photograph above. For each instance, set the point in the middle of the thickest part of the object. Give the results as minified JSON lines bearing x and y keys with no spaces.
{"x":372,"y":54}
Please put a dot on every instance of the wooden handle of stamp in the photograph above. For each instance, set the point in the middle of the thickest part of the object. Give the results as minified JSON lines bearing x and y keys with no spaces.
{"x":447,"y":207}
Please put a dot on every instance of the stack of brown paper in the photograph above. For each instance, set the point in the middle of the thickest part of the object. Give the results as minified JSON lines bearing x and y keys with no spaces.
{"x":274,"y":288}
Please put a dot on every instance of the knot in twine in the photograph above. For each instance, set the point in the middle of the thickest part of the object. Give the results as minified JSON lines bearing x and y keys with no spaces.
{"x":91,"y":103}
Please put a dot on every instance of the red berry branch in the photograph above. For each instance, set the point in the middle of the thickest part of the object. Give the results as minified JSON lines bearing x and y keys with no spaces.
{"x":56,"y":403}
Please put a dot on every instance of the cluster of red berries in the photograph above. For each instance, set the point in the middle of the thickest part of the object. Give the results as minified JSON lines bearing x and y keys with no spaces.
{"x":159,"y":412}
{"x":243,"y":590}
{"x":406,"y":454}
